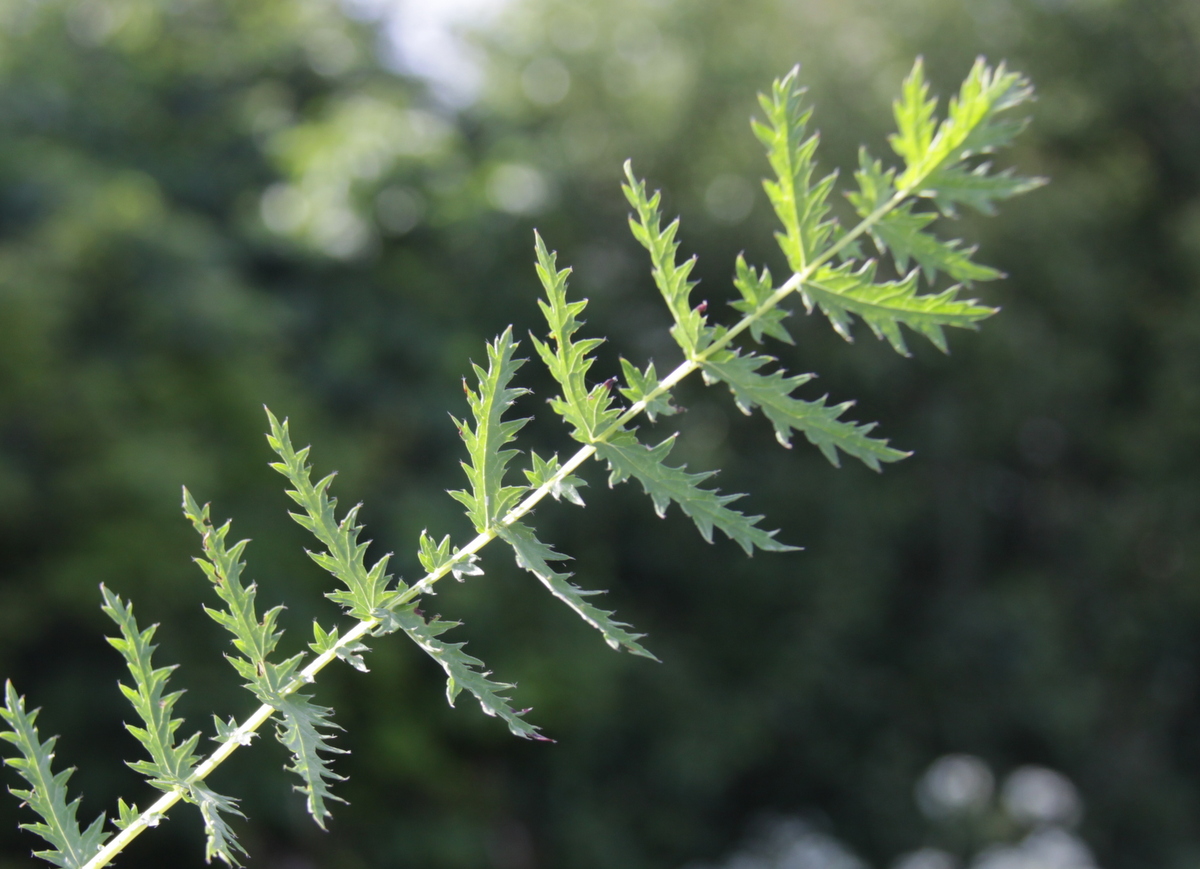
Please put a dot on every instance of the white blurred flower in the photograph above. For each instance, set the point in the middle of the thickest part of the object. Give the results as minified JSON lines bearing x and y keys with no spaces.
{"x":1048,"y":848}
{"x":1036,"y":795}
{"x":956,"y":784}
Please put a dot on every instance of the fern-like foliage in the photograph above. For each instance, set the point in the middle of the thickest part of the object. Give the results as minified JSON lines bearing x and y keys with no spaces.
{"x":369,"y":597}
{"x":489,"y":499}
{"x":71,"y":847}
{"x":255,"y":638}
{"x":172,"y":765}
{"x":943,"y":167}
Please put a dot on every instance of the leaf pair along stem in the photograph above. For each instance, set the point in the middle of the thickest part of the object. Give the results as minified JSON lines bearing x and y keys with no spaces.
{"x":935,"y":156}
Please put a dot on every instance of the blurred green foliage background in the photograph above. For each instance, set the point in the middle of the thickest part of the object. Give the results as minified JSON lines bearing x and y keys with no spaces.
{"x":206,"y":205}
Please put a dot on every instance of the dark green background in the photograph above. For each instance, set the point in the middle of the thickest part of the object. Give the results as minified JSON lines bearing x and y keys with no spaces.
{"x":1023,"y":588}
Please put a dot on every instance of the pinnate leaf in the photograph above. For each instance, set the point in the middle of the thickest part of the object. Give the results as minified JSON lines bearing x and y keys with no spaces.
{"x":535,"y":556}
{"x":219,"y":840}
{"x":978,"y":188}
{"x":367,"y":590}
{"x":840,"y":292}
{"x":820,"y":423}
{"x":172,"y":765}
{"x":300,"y":731}
{"x":690,"y":331}
{"x":255,"y":638}
{"x":71,"y":847}
{"x":901,"y":230}
{"x":588,"y":411}
{"x":489,"y":499}
{"x":972,"y":125}
{"x":801,"y":205}
{"x":628,"y":457}
{"x":462,"y":670}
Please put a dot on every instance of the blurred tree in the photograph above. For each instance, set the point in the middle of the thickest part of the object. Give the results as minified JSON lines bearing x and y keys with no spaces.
{"x":206,"y":205}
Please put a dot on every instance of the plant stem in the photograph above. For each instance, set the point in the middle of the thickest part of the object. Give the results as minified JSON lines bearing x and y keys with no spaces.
{"x":241,"y":736}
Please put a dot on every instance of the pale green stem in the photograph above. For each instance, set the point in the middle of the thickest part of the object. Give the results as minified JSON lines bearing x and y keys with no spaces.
{"x":261,"y":715}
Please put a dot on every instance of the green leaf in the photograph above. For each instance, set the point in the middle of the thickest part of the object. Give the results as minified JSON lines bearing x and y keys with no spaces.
{"x":171,"y":765}
{"x":543,"y":472}
{"x":976,"y":188}
{"x":351,"y":653}
{"x":801,"y":205}
{"x":255,"y":638}
{"x":841,"y":292}
{"x":627,"y":457}
{"x":819,"y":422}
{"x":219,"y":840}
{"x":489,"y":499}
{"x":900,"y":231}
{"x":643,"y":385}
{"x":756,"y":290}
{"x":588,"y":412}
{"x":916,"y":117}
{"x":437,"y":558}
{"x":367,"y":590}
{"x":47,"y":791}
{"x":126,"y":814}
{"x":462,"y":670}
{"x":972,"y":126}
{"x":300,"y":732}
{"x":690,"y":330}
{"x":535,"y":556}
{"x":232,"y":729}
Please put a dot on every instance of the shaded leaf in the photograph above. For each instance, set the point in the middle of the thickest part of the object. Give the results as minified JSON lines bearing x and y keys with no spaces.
{"x":535,"y":556}
{"x":300,"y":731}
{"x":47,"y":794}
{"x":462,"y":670}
